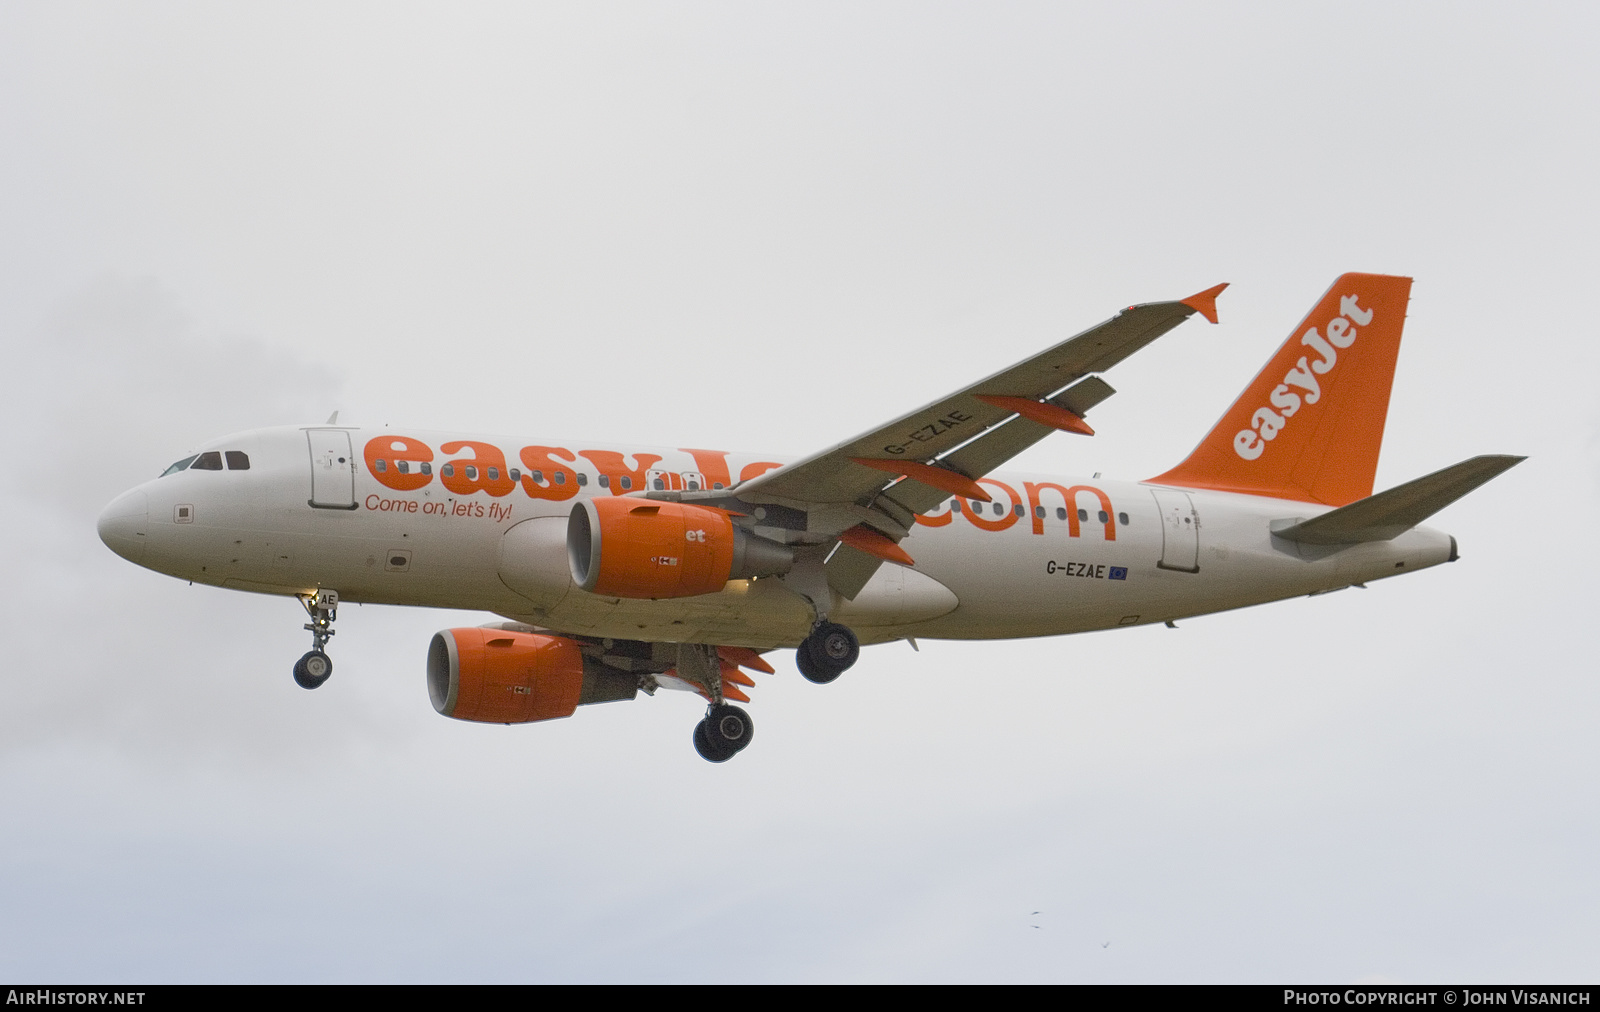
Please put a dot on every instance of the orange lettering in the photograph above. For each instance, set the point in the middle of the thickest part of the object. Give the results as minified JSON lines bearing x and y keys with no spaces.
{"x":467,"y":475}
{"x":613,"y":468}
{"x":937,"y":519}
{"x":384,"y":454}
{"x":1105,"y":507}
{"x":998,"y":523}
{"x":559,"y":482}
{"x":1034,"y":501}
{"x":1069,"y":497}
{"x":713,"y":464}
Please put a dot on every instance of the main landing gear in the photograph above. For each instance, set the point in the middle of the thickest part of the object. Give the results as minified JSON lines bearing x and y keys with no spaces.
{"x":827,"y":653}
{"x":725,"y":731}
{"x":316,"y":666}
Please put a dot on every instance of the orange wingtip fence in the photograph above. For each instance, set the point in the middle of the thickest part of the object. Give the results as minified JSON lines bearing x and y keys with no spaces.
{"x":1205,"y":303}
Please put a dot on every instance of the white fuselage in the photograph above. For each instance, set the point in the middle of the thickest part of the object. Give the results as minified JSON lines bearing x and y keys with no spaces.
{"x":299,"y":518}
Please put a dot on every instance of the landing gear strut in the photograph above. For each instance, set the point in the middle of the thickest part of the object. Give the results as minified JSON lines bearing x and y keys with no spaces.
{"x":827,"y":653}
{"x":316,"y":666}
{"x":725,"y":730}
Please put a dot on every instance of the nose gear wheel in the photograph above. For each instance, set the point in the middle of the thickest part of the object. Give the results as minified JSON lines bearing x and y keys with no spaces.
{"x":313,"y":669}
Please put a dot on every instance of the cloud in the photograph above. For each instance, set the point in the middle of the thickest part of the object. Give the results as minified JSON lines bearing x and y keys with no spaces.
{"x":115,"y":382}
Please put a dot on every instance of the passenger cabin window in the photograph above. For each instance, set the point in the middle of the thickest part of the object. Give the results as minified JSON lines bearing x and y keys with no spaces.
{"x":448,"y":470}
{"x":583,"y":479}
{"x":514,"y":474}
{"x":1083,"y":515}
{"x":1018,"y":510}
{"x":1038,"y":511}
{"x":403,"y":466}
{"x":237,"y":460}
{"x":1104,"y":517}
{"x":605,"y":482}
{"x":179,"y":466}
{"x":537,"y":476}
{"x":717,"y":486}
{"x":1061,"y":513}
{"x":561,"y":478}
{"x":627,"y":483}
{"x":211,"y":460}
{"x":999,"y":510}
{"x":380,"y":465}
{"x":427,"y":468}
{"x":494,"y":474}
{"x":472,"y":473}
{"x":1122,"y":518}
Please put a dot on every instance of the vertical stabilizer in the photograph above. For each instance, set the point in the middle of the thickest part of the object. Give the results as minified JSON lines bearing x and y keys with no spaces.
{"x":1310,"y":425}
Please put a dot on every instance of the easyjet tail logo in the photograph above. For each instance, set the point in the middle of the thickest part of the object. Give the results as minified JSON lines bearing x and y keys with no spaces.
{"x":1300,"y":385}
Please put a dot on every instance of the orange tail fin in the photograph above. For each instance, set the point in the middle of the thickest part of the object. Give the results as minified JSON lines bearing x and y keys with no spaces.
{"x":1310,"y":425}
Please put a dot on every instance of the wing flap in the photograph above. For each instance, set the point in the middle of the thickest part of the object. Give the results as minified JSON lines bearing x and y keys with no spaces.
{"x":849,"y":569}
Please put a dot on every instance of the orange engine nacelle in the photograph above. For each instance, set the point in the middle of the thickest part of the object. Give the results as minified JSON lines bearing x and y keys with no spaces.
{"x":627,"y":547}
{"x":501,"y":677}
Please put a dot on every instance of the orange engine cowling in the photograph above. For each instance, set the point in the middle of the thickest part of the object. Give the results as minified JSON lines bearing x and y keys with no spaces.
{"x":501,"y":677}
{"x":627,"y":547}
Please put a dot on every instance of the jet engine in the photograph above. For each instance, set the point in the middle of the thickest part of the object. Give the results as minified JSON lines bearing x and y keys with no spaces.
{"x":638,"y":548}
{"x":502,"y":677}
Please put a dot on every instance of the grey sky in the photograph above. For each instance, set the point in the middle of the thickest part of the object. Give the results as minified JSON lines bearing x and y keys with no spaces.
{"x":769,"y":227}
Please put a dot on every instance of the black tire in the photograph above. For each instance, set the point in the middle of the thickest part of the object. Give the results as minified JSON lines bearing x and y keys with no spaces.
{"x":728,"y":727}
{"x":707,"y":748}
{"x":832,"y":649}
{"x":808,"y":668}
{"x":313,"y":669}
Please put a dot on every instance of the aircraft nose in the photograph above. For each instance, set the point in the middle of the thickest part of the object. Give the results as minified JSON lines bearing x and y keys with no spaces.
{"x":124,"y":524}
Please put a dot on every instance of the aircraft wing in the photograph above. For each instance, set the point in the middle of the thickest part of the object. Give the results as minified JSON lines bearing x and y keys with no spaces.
{"x":942,"y":447}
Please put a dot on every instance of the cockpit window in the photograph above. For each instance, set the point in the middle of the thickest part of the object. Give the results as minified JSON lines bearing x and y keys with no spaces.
{"x":238,"y":460}
{"x":211,"y":460}
{"x":179,"y":466}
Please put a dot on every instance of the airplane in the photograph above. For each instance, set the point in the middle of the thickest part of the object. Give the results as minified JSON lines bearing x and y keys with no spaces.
{"x":623,"y":569}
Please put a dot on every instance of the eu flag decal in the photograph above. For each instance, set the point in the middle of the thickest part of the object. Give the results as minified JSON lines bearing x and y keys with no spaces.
{"x":1118,"y":573}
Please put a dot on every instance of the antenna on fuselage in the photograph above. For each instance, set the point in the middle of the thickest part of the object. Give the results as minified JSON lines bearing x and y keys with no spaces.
{"x":333,"y":419}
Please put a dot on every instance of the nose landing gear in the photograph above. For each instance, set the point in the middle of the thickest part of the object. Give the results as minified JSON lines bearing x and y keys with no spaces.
{"x":316,"y":666}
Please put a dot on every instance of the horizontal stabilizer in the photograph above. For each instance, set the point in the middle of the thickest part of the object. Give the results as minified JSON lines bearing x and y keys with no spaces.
{"x":1390,"y":514}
